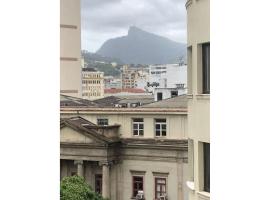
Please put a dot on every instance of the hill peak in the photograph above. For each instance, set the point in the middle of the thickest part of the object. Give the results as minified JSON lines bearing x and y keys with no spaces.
{"x":135,"y":30}
{"x":142,"y":47}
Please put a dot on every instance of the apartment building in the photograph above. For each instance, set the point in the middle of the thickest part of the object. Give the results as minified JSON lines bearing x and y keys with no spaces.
{"x":125,"y":151}
{"x":128,"y":77}
{"x":92,"y":84}
{"x":70,"y":48}
{"x":198,"y":53}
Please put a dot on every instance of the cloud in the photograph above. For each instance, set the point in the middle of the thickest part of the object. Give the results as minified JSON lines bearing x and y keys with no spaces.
{"x":105,"y":19}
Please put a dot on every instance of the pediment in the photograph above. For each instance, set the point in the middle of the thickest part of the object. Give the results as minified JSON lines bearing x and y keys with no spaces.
{"x":69,"y":135}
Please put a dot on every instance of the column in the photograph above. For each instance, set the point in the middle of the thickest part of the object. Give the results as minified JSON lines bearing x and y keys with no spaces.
{"x":79,"y":164}
{"x":105,"y":179}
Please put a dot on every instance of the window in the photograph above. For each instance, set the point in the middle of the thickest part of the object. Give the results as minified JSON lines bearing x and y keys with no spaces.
{"x":103,"y":122}
{"x":160,"y":125}
{"x":137,"y":184}
{"x":159,"y":96}
{"x":138,"y":126}
{"x":206,"y":68}
{"x":160,"y":187}
{"x":174,"y":94}
{"x":98,"y":183}
{"x":206,"y":166}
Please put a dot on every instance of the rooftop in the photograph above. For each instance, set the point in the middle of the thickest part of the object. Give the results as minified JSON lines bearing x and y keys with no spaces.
{"x":175,"y":102}
{"x":128,"y":90}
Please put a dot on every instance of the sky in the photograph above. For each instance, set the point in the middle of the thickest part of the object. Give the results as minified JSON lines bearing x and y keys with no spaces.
{"x":105,"y":19}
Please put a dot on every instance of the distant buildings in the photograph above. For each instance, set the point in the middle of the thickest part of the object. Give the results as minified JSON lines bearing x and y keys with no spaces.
{"x":198,"y":53}
{"x":92,"y":84}
{"x":70,"y":48}
{"x":167,"y":81}
{"x":124,"y":92}
{"x":128,"y":76}
{"x":112,"y":82}
{"x":134,"y":77}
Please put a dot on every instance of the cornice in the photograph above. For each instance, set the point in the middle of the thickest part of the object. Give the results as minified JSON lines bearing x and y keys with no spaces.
{"x":188,"y":3}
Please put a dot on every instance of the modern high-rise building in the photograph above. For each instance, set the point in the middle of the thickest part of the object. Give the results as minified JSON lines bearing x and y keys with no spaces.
{"x":198,"y":53}
{"x":70,"y":48}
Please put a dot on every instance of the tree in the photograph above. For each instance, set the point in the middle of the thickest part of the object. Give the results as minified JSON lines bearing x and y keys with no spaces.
{"x":75,"y":188}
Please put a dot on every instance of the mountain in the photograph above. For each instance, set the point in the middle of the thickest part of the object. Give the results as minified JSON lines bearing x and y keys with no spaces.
{"x":96,"y":57}
{"x":141,"y":47}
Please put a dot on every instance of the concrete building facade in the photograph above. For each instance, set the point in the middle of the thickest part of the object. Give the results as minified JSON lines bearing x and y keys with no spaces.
{"x":198,"y":53}
{"x":164,"y":79}
{"x":121,"y":151}
{"x":70,"y":48}
{"x":92,"y":84}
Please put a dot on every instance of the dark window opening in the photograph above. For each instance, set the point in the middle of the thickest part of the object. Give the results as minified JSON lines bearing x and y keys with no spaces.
{"x":137,"y":184}
{"x":159,"y":96}
{"x":206,"y":166}
{"x":103,"y":122}
{"x":174,"y":94}
{"x":206,"y":68}
{"x":98,"y":183}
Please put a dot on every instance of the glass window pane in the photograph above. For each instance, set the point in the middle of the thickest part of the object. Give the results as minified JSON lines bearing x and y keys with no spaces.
{"x":160,"y":120}
{"x":141,"y":132}
{"x":163,"y":133}
{"x":157,"y":126}
{"x":135,"y":132}
{"x":163,"y":126}
{"x":140,"y":126}
{"x":157,"y":133}
{"x":135,"y":126}
{"x":138,"y":120}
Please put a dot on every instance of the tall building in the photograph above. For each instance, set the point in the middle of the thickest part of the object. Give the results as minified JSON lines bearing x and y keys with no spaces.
{"x":70,"y":48}
{"x":198,"y":53}
{"x":92,"y":84}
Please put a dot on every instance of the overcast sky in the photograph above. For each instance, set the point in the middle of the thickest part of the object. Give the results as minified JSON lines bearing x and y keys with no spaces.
{"x":105,"y":19}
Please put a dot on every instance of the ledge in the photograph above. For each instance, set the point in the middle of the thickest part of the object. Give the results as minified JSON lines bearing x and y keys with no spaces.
{"x":203,"y":195}
{"x":203,"y":96}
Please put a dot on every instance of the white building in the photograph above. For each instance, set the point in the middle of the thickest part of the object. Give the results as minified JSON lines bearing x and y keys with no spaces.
{"x":167,"y":81}
{"x":92,"y":84}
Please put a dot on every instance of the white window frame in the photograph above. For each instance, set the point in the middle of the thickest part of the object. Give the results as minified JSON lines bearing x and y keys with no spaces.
{"x":161,"y":128}
{"x":138,"y":129}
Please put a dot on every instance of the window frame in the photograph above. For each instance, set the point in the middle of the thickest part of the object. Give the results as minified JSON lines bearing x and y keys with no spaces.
{"x":160,"y":184}
{"x":138,"y":129}
{"x":161,"y":127}
{"x":133,"y":184}
{"x":206,"y":167}
{"x":206,"y":68}
{"x":102,"y":124}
